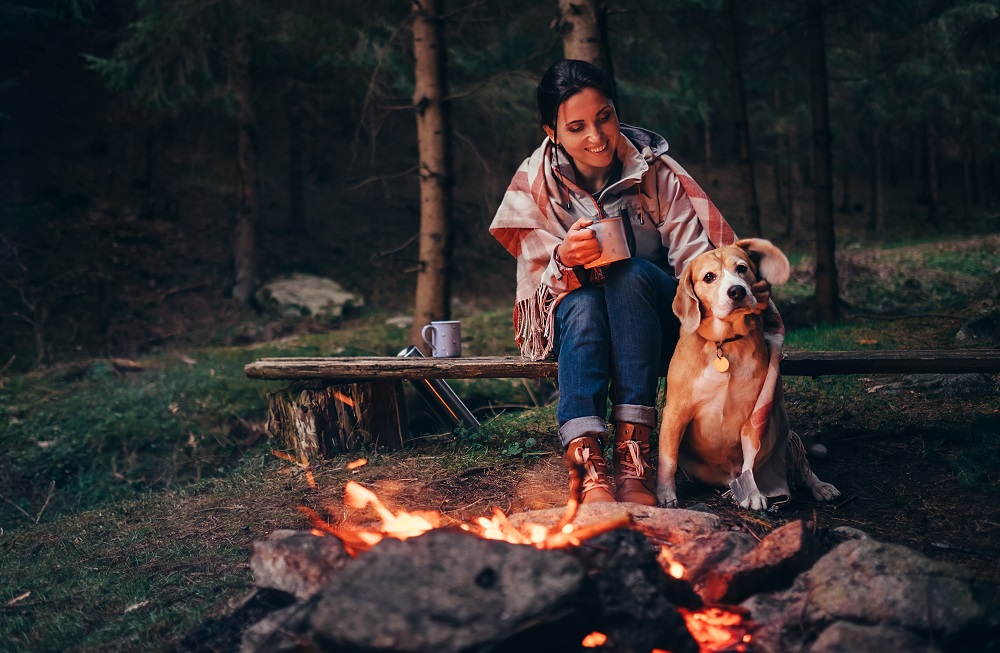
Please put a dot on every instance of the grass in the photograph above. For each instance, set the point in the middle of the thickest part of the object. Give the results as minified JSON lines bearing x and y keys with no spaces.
{"x":161,"y":478}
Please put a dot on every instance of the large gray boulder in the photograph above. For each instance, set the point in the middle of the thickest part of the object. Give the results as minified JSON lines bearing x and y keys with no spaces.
{"x":302,"y":295}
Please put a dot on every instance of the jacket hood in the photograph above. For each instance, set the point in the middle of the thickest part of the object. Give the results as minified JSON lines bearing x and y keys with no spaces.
{"x":650,"y":144}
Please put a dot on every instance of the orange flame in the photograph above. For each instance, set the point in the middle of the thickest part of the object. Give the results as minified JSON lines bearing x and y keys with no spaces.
{"x":594,"y":639}
{"x":354,"y":464}
{"x":716,"y":629}
{"x":667,"y":561}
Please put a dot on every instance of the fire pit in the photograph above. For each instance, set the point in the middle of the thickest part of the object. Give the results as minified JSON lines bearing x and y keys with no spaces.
{"x":603,"y":577}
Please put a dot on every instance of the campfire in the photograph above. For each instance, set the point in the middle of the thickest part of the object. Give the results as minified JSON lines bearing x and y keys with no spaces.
{"x":713,"y":629}
{"x":614,"y":578}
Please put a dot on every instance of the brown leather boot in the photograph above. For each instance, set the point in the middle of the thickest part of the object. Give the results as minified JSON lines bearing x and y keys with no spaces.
{"x":633,"y":472}
{"x":586,"y":452}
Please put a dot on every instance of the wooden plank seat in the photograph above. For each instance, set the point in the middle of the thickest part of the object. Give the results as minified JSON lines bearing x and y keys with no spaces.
{"x":337,"y":404}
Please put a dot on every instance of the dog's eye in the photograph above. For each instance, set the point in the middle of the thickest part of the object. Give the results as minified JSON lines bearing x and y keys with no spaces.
{"x":709,"y":278}
{"x":741,"y":268}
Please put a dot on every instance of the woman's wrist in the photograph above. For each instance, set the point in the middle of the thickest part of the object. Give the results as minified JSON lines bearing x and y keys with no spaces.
{"x":558,"y":258}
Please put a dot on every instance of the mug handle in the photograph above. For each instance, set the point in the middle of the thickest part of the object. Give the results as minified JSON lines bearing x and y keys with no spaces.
{"x":423,"y":334}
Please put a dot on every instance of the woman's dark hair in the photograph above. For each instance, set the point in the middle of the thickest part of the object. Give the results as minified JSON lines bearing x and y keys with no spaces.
{"x":565,"y":79}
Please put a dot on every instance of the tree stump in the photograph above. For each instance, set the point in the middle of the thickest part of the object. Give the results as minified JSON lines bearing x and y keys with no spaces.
{"x":321,"y":421}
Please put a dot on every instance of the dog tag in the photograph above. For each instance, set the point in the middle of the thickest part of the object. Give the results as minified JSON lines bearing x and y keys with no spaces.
{"x":721,"y":364}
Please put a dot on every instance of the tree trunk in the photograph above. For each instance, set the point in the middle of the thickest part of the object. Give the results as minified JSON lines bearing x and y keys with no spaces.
{"x":433,"y":136}
{"x":583,"y":26}
{"x":247,"y":165}
{"x":966,"y":183}
{"x":933,"y":182}
{"x":707,"y":139}
{"x":780,"y":165}
{"x":827,"y":293}
{"x":795,"y":228}
{"x":297,"y":218}
{"x":877,"y":218}
{"x":845,"y":199}
{"x":750,"y":204}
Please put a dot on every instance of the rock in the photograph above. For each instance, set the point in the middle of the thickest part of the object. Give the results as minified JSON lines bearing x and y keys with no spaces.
{"x":661,"y":524}
{"x":870,"y":583}
{"x":301,"y":295}
{"x":773,"y":564}
{"x":846,"y":637}
{"x":451,"y":592}
{"x":637,"y":597}
{"x":849,"y":533}
{"x":297,"y":562}
{"x":705,"y":554}
{"x":273,"y":632}
{"x":982,"y":330}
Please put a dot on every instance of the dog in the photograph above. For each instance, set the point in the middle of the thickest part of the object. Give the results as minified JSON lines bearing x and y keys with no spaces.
{"x":717,"y":425}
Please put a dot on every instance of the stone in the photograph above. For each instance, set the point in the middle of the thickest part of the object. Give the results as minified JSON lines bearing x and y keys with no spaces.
{"x":873,"y":582}
{"x":706,"y":553}
{"x":297,"y":562}
{"x":663,"y":525}
{"x":869,"y":583}
{"x":773,"y":564}
{"x":982,"y":330}
{"x":637,"y":598}
{"x":847,"y":637}
{"x":301,"y":295}
{"x":449,"y":592}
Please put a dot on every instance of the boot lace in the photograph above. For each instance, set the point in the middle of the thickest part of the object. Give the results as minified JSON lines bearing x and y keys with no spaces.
{"x":592,"y":480}
{"x":632,"y":463}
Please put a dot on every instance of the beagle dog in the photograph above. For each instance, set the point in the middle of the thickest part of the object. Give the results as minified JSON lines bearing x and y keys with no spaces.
{"x":724,"y":421}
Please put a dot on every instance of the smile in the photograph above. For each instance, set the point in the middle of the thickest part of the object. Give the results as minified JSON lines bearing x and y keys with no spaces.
{"x":597,"y":150}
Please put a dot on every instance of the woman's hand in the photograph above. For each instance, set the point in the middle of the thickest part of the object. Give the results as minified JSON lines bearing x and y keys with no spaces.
{"x":581,"y":246}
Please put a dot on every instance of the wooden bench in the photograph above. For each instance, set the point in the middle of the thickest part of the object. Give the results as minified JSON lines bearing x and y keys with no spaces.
{"x":336,"y":404}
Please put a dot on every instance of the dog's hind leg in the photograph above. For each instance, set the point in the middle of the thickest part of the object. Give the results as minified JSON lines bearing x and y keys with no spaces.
{"x":820,"y":490}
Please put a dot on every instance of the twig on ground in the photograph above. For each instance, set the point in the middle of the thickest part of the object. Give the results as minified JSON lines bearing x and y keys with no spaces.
{"x":52,"y":490}
{"x":22,"y":510}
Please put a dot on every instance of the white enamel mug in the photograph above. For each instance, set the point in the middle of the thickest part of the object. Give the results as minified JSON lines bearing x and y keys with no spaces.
{"x":610,"y":234}
{"x":444,"y":338}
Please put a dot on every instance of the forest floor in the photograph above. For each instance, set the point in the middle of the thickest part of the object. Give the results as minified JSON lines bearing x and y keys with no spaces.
{"x":916,"y":458}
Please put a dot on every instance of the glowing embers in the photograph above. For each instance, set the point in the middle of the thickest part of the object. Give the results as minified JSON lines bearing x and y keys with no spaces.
{"x":717,"y":630}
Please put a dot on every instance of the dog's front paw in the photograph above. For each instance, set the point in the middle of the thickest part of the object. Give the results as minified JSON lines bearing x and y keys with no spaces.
{"x":824,"y":491}
{"x":666,"y":497}
{"x":755,"y":501}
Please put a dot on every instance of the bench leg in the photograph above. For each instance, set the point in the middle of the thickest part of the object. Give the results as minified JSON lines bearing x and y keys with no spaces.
{"x":321,"y":422}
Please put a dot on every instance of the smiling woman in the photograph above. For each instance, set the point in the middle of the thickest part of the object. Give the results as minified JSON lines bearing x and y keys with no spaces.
{"x":610,"y":324}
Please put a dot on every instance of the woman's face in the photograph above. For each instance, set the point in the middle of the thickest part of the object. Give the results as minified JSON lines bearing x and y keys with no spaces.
{"x":587,"y":128}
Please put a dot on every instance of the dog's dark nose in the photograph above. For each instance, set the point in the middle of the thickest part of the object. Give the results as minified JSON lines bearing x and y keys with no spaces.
{"x":736,"y":292}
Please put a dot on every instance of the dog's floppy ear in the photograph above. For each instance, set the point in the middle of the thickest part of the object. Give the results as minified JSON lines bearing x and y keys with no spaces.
{"x":686,"y":305}
{"x":772,"y":264}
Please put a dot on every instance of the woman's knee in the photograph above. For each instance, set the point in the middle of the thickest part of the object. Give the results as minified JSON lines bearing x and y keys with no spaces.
{"x":636,"y":275}
{"x":582,"y":312}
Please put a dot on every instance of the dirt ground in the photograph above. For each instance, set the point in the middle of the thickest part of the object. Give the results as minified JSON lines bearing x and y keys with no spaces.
{"x":900,"y":475}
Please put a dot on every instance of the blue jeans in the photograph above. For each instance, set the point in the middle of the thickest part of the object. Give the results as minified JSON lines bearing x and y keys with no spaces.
{"x":614,"y":339}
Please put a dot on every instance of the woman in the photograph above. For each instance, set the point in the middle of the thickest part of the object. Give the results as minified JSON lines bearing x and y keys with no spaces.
{"x":612,"y":327}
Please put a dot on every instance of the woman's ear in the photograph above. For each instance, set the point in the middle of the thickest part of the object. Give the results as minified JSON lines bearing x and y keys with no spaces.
{"x":550,"y":133}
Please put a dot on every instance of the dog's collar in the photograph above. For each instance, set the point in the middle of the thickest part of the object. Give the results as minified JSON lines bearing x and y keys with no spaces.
{"x":719,"y":343}
{"x":721,"y":362}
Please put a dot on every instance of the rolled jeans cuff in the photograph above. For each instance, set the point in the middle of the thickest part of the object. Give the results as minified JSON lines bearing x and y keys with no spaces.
{"x":578,"y":427}
{"x":634,"y":414}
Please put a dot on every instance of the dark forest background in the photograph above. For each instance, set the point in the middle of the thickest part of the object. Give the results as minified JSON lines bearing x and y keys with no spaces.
{"x":124,"y":127}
